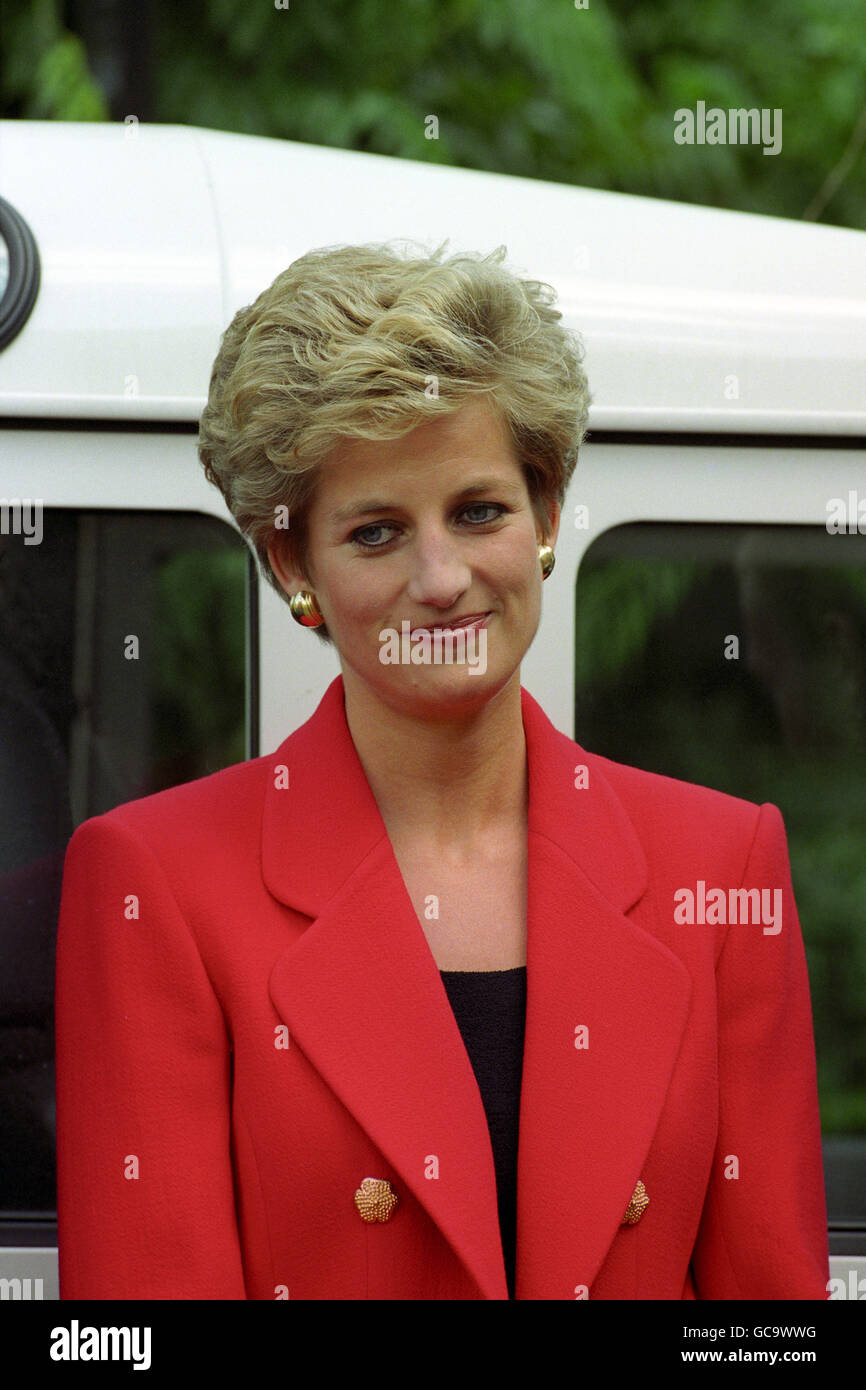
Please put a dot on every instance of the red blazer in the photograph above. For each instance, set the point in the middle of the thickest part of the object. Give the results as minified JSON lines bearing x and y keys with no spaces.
{"x":250,"y":1023}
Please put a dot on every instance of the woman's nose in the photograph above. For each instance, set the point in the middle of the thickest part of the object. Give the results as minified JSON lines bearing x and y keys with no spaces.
{"x":439,"y":573}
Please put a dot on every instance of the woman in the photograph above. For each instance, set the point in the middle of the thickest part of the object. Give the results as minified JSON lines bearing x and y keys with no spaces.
{"x":429,"y":1003}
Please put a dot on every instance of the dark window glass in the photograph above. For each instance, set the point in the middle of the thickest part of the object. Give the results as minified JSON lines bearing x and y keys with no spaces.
{"x":735,"y":656}
{"x":122,"y":672}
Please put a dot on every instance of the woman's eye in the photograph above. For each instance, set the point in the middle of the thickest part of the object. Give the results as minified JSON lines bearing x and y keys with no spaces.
{"x":485,"y":506}
{"x":364,"y":531}
{"x":366,"y":536}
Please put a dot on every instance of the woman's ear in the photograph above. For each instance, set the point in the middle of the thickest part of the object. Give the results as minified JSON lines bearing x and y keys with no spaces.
{"x":286,"y":571}
{"x":549,"y":536}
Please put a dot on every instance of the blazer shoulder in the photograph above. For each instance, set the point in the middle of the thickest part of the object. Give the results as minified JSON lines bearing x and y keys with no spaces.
{"x":210,"y":810}
{"x":657,"y":788}
{"x":667,"y":810}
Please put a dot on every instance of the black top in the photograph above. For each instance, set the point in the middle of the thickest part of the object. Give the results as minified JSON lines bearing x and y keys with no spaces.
{"x":490,"y":1009}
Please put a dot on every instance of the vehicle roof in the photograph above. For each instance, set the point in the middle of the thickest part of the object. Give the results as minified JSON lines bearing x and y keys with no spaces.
{"x":151,"y":236}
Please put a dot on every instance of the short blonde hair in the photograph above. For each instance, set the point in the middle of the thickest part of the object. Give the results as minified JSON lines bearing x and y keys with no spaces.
{"x":348,"y":343}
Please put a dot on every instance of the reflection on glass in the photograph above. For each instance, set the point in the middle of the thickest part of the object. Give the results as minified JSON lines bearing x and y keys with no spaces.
{"x":735,"y":657}
{"x":122,"y":671}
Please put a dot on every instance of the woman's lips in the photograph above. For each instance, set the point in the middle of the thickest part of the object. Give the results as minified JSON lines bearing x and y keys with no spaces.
{"x":473,"y":620}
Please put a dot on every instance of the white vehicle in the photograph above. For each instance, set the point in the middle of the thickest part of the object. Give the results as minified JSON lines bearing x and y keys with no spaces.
{"x":726,"y":355}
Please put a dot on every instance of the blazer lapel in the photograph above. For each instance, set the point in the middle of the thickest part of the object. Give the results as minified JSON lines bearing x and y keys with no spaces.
{"x":606,"y":1007}
{"x":361,"y":993}
{"x":362,"y":997}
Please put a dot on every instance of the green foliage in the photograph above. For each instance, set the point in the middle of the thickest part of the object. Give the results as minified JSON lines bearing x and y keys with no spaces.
{"x":43,"y":68}
{"x":63,"y":87}
{"x":618,"y":605}
{"x":200,"y":649}
{"x":530,"y":87}
{"x":653,"y":691}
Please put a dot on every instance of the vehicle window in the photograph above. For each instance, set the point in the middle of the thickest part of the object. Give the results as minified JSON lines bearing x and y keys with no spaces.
{"x":735,"y":656}
{"x":122,"y":672}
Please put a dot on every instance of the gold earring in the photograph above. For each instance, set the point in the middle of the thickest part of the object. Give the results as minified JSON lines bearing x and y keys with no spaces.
{"x":304,"y":610}
{"x":547,"y":560}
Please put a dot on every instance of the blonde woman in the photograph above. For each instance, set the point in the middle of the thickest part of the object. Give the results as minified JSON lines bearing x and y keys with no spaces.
{"x":407,"y":1011}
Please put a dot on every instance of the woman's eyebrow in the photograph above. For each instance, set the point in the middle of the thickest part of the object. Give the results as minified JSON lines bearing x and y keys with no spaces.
{"x":373,"y":504}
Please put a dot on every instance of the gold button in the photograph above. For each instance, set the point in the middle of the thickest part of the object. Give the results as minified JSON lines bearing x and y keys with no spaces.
{"x":375,"y":1199}
{"x":637,"y":1206}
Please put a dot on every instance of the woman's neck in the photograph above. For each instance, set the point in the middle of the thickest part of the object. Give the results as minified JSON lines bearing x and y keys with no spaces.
{"x":447,"y":782}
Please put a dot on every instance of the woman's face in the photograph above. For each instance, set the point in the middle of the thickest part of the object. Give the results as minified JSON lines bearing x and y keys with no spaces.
{"x":428,"y":529}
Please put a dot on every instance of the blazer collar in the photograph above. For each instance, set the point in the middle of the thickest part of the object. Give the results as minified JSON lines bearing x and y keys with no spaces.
{"x":317,"y":831}
{"x":362,"y":996}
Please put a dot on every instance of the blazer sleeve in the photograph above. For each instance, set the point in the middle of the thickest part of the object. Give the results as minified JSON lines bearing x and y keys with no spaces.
{"x":763,"y":1230}
{"x":143,"y":1078}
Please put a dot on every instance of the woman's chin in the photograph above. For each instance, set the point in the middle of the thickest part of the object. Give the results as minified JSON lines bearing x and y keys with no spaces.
{"x":432,"y":692}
